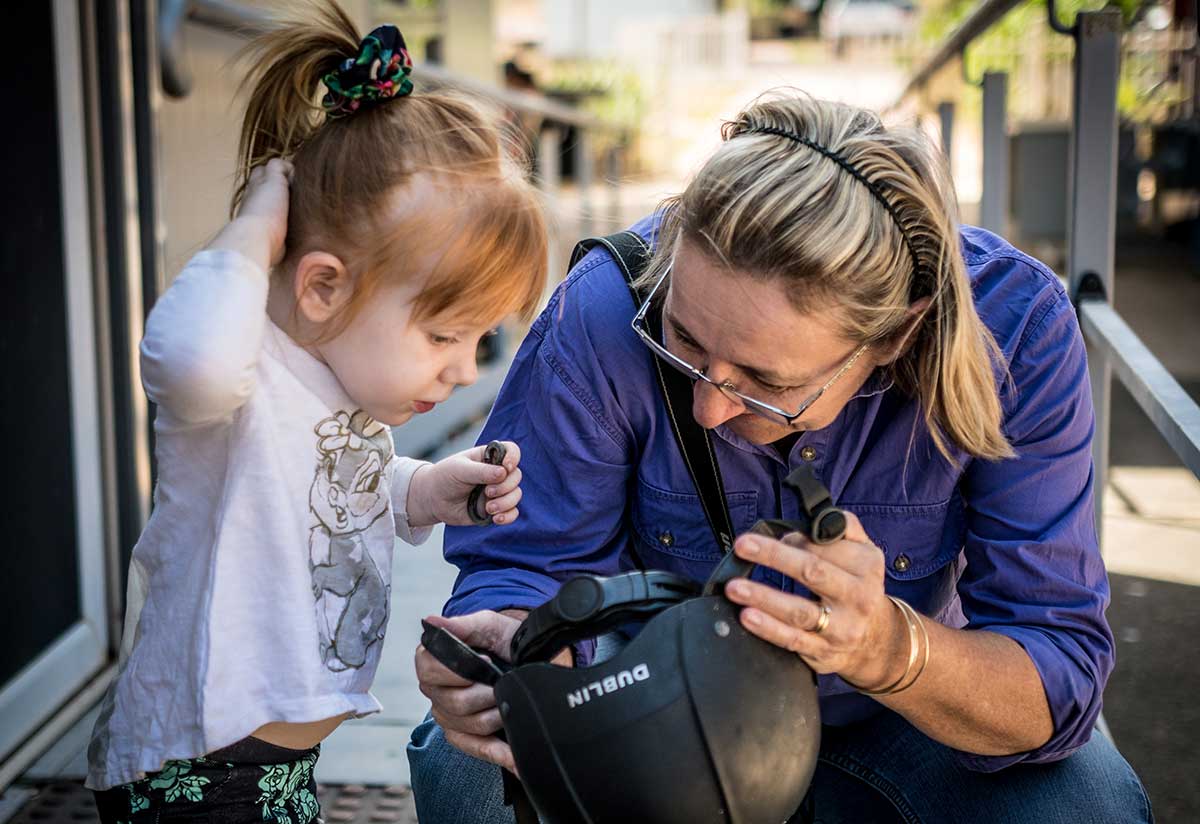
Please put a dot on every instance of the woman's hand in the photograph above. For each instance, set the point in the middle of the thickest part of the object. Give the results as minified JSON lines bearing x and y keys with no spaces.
{"x":439,"y":492}
{"x":260,"y":229}
{"x":864,"y":639}
{"x":467,"y":711}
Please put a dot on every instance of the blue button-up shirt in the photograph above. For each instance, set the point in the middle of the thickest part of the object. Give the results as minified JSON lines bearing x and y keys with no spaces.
{"x":1008,"y":546}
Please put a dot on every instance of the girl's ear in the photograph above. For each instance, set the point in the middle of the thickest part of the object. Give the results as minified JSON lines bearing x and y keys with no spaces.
{"x":323,"y":287}
{"x":903,"y":338}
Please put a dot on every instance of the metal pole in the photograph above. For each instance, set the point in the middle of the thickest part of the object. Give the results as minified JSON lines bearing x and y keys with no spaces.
{"x":1091,"y":215}
{"x":993,"y":204}
{"x":946,"y":117}
{"x":549,"y":175}
{"x":985,"y":15}
{"x":583,"y":178}
{"x":612,"y":179}
{"x":122,"y":231}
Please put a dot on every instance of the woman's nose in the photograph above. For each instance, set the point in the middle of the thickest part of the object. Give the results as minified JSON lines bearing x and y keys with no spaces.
{"x":711,"y":407}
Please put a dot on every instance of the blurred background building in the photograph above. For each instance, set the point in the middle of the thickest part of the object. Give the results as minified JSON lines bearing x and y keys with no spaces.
{"x":120,"y":147}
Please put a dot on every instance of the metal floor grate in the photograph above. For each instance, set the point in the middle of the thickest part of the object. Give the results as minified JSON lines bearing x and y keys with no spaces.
{"x":68,"y":802}
{"x":356,"y":804}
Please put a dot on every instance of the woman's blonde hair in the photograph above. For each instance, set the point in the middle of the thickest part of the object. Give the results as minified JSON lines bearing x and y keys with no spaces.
{"x":870,"y":243}
{"x":485,"y":231}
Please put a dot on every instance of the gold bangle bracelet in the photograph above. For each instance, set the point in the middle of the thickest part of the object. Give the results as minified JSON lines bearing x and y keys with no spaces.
{"x":912,"y":614}
{"x":913,"y":650}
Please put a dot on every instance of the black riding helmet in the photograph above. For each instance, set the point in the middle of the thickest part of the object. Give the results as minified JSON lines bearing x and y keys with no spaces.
{"x":695,"y":720}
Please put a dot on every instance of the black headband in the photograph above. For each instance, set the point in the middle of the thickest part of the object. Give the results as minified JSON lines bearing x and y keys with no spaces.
{"x":847,"y":166}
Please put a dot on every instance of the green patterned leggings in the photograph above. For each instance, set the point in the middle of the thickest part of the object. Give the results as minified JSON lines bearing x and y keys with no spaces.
{"x":217,"y":789}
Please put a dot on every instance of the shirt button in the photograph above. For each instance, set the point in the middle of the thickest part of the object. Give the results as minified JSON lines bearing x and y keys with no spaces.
{"x":808,"y":453}
{"x":666,"y":539}
{"x":902,"y":563}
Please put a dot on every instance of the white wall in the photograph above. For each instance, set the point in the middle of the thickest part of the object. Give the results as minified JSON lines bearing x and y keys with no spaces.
{"x":588,"y":28}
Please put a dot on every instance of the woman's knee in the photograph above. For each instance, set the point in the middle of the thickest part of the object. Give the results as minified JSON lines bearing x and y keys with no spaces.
{"x":925,"y":781}
{"x":1095,"y":783}
{"x":1097,"y":778}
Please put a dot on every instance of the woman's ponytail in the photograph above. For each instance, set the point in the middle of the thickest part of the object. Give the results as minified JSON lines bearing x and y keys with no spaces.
{"x":955,"y":364}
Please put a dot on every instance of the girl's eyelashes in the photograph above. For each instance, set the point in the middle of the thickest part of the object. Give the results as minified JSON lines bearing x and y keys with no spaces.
{"x":454,"y":338}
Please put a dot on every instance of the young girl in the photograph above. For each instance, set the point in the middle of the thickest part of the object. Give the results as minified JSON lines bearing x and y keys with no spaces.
{"x":349,"y":293}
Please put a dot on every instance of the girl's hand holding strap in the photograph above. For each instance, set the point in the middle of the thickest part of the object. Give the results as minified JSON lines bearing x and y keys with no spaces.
{"x":440,"y":492}
{"x":260,"y":228}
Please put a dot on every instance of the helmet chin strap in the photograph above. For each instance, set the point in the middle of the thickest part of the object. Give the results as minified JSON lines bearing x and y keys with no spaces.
{"x":591,"y":605}
{"x":821,"y":523}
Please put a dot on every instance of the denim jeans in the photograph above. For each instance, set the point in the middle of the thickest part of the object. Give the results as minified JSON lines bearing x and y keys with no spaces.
{"x":879,"y":770}
{"x":882,"y":769}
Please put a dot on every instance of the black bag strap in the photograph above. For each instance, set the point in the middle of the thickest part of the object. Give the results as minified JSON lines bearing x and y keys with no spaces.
{"x":632,"y":254}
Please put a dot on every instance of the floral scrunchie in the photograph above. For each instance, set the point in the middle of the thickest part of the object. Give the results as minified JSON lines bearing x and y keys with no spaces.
{"x":379,"y":72}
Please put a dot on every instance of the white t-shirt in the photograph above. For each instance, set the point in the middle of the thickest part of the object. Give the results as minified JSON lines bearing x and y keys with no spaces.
{"x":259,"y":589}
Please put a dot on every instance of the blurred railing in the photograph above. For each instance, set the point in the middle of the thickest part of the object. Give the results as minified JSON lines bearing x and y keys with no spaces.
{"x":455,"y":423}
{"x":1091,"y":218}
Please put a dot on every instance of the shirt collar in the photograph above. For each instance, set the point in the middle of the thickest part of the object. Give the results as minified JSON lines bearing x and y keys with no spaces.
{"x":317,"y":377}
{"x":878,"y":382}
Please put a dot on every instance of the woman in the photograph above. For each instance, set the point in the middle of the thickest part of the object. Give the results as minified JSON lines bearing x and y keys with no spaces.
{"x":814,"y":283}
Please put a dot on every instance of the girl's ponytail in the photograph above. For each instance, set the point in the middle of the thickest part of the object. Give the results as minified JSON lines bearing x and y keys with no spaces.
{"x":343,"y":110}
{"x":288,"y":63}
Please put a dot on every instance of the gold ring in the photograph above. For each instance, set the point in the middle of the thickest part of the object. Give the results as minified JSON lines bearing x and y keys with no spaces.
{"x":823,"y":619}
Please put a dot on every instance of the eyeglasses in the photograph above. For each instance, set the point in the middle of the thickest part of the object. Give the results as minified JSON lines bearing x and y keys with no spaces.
{"x":766,"y":410}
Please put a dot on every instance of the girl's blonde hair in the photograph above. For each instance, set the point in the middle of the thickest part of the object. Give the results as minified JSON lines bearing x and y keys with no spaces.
{"x":772,"y":207}
{"x":483,"y":230}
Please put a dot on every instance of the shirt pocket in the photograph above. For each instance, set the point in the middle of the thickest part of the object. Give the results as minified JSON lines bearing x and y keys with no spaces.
{"x":920,"y":543}
{"x":671,"y":532}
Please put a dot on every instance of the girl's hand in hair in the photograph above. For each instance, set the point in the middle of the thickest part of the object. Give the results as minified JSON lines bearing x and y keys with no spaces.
{"x":260,"y":228}
{"x":439,"y":492}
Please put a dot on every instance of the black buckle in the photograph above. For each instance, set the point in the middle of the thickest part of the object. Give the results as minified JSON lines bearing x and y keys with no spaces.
{"x":456,"y":656}
{"x":821,"y":521}
{"x":493,"y":454}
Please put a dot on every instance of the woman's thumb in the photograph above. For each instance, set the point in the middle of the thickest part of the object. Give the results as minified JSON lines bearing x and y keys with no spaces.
{"x":484,"y":630}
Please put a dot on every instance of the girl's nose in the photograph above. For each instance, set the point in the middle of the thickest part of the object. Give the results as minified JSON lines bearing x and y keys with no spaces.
{"x":711,"y":407}
{"x":463,"y":371}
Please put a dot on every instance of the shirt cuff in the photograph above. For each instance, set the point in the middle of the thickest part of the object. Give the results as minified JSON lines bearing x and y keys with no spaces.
{"x":228,"y":260}
{"x":584,"y":652}
{"x":401,"y":480}
{"x":1072,"y":695}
